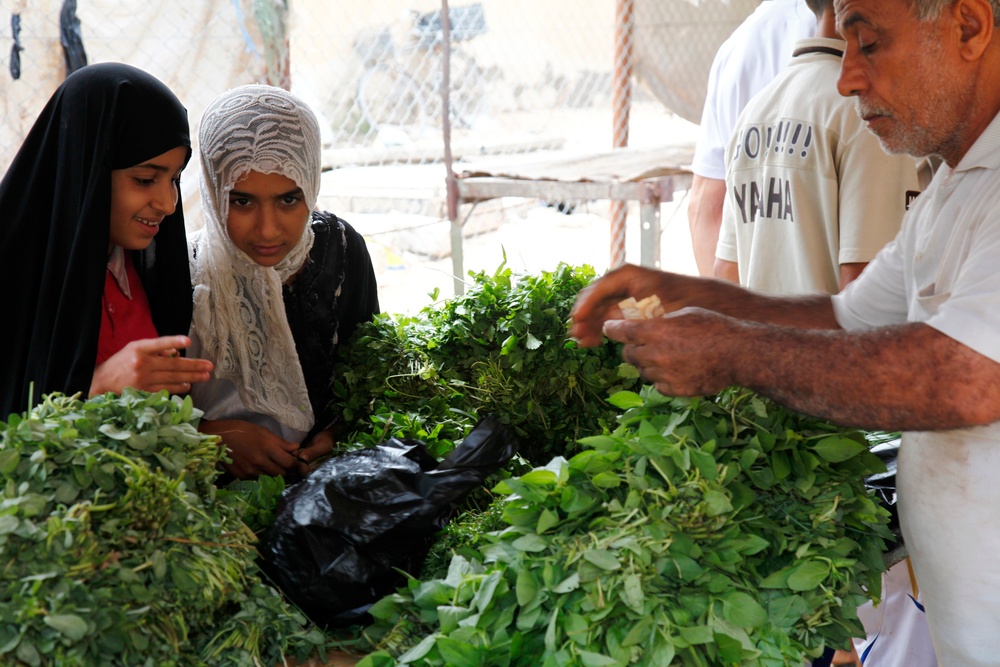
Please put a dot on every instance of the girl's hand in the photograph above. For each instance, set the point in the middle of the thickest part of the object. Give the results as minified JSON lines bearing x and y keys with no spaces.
{"x":318,"y":448}
{"x":254,"y":450}
{"x":151,"y":364}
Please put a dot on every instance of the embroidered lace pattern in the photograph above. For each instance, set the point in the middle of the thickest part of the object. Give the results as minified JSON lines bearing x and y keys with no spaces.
{"x":238,"y":309}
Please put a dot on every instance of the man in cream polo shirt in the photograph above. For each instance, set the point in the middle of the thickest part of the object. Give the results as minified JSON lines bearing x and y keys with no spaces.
{"x":811,"y":196}
{"x":757,"y":50}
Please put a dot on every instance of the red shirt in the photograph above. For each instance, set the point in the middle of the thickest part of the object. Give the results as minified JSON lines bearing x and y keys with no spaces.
{"x":123,"y":320}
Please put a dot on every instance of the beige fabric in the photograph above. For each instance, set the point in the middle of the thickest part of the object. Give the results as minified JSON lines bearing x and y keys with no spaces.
{"x":808,"y":186}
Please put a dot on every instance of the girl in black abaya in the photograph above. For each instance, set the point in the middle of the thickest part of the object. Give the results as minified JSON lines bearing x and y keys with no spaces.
{"x":90,"y":200}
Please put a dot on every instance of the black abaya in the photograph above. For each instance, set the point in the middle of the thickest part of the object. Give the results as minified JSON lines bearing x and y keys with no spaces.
{"x":55,"y":212}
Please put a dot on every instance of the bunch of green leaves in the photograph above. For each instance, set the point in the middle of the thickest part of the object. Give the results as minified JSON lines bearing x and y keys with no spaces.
{"x":255,"y":500}
{"x":500,"y":348}
{"x":708,"y":531}
{"x":114,"y":549}
{"x":478,"y":517}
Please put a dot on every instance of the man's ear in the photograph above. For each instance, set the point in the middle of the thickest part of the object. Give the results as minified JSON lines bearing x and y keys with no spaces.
{"x":974,"y":18}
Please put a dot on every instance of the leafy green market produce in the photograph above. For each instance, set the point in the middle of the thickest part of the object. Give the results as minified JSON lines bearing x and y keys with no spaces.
{"x":719,"y":531}
{"x":499,"y":349}
{"x":715,"y":531}
{"x":117,"y":549}
{"x":632,"y":529}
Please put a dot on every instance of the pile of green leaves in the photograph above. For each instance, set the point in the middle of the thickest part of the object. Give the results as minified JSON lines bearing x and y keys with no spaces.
{"x":116,"y":550}
{"x":257,"y":500}
{"x":709,"y":531}
{"x":501,"y":348}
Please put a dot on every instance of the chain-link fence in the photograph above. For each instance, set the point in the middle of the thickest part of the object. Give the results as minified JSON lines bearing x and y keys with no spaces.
{"x":527,"y":76}
{"x":522,"y":71}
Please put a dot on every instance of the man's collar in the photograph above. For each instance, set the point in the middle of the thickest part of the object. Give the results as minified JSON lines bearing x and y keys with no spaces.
{"x":985,"y":152}
{"x":824,"y":45}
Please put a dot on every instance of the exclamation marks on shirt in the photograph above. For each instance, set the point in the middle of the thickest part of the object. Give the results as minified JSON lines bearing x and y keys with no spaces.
{"x":795,"y":138}
{"x":807,"y":141}
{"x":761,"y":141}
{"x":782,"y":141}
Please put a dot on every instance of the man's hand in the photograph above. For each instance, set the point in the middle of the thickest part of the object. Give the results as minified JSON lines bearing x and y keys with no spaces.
{"x":683,"y":353}
{"x":599,"y":301}
{"x":151,"y":364}
{"x":254,"y":449}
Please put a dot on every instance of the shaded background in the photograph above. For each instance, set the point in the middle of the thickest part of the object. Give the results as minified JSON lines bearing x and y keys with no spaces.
{"x":529,"y":78}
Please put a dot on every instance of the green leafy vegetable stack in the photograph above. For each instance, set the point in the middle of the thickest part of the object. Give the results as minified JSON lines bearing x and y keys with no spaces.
{"x":501,"y":348}
{"x":721,"y":531}
{"x":116,"y":550}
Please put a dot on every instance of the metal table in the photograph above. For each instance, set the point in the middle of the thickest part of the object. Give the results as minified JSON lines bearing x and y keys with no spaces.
{"x":650,"y":176}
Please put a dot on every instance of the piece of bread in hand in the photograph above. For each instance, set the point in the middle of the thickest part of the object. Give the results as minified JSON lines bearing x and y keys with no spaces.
{"x":641,"y":310}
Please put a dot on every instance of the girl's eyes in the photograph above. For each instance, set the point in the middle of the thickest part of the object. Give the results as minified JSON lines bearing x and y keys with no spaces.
{"x":146,"y":182}
{"x":287,"y":200}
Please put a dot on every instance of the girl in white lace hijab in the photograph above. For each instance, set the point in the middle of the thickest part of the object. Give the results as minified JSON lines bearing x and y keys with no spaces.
{"x":276,"y":284}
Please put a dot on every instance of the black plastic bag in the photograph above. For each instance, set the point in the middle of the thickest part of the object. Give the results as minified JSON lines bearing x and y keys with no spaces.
{"x":884,"y":486}
{"x":342,"y":535}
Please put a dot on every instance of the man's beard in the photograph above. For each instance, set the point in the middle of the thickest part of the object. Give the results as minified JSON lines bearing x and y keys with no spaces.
{"x":915,"y":140}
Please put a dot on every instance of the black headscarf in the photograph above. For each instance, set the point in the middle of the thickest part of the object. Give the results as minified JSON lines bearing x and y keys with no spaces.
{"x":55,"y":218}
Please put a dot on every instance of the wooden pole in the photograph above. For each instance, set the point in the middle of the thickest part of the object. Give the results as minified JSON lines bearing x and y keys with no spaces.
{"x":622,"y":104}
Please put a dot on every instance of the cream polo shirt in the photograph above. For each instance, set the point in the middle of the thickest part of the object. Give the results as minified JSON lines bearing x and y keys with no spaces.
{"x":808,"y":187}
{"x":944,"y":270}
{"x":757,"y":50}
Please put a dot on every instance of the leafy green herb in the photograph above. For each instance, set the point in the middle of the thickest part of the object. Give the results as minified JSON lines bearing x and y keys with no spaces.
{"x":501,"y":348}
{"x":115,"y":549}
{"x":713,"y":531}
{"x":256,"y":500}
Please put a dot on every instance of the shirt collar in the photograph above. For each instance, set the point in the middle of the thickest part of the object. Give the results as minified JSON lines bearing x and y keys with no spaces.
{"x":819,"y":45}
{"x":116,"y":265}
{"x":985,"y":152}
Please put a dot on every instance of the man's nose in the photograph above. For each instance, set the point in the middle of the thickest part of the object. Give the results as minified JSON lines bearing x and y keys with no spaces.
{"x":853,"y":78}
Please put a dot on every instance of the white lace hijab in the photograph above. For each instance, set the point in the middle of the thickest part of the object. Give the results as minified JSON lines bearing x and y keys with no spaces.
{"x":239,"y":314}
